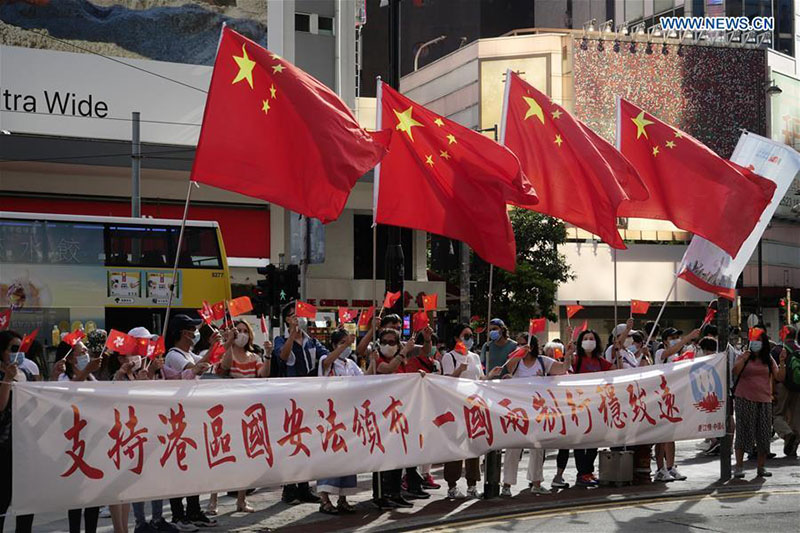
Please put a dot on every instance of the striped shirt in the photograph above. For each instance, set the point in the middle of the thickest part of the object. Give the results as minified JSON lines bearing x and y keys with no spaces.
{"x":245,"y":370}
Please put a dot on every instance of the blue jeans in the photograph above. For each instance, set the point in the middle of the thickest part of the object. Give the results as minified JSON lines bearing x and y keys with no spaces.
{"x":156,"y":506}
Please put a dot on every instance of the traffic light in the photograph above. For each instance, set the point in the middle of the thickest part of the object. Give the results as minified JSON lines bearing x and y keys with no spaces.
{"x":268,"y":284}
{"x":291,"y":283}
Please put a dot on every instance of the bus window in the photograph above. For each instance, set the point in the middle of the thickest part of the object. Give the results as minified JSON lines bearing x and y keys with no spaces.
{"x":55,"y":243}
{"x":199,"y":248}
{"x":138,"y":246}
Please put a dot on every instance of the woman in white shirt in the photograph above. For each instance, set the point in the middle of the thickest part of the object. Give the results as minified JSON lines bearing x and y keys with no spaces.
{"x":460,"y":362}
{"x":530,"y":366}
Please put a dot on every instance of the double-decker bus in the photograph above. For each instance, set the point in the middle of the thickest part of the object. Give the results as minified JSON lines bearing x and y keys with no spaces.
{"x":59,"y":272}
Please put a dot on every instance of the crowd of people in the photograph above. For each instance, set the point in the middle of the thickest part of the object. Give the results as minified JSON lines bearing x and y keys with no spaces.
{"x":764,"y":376}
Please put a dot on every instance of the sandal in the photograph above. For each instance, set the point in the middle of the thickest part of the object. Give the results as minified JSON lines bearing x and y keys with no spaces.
{"x":327,"y":508}
{"x":345,"y":508}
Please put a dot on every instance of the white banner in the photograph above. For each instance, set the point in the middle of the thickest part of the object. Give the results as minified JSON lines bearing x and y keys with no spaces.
{"x":95,"y":443}
{"x":705,"y":265}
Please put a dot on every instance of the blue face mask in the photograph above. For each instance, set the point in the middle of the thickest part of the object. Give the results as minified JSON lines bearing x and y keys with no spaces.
{"x":494,"y":335}
{"x":16,"y":358}
{"x":468,"y":342}
{"x":755,"y":346}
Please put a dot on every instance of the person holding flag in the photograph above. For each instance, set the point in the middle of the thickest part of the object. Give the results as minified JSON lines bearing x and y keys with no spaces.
{"x":496,"y":350}
{"x":531,"y":364}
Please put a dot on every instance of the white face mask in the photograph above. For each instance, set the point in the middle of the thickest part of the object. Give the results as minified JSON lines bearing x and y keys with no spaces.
{"x":588,"y":345}
{"x":628,"y":342}
{"x":241,"y":339}
{"x":302,"y":323}
{"x":673,"y":342}
{"x":81,"y":361}
{"x":195,"y":338}
{"x":135,"y":359}
{"x":345,"y":353}
{"x":388,"y":350}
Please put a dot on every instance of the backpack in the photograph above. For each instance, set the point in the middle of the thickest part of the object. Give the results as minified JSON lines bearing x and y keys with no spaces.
{"x":792,"y":379}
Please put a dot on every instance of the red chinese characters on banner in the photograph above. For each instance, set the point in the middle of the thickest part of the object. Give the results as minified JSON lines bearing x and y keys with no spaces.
{"x":132,"y":444}
{"x":398,"y":422}
{"x":666,"y":404}
{"x":294,"y":429}
{"x":610,"y":407}
{"x":255,"y":433}
{"x":218,"y":448}
{"x":365,"y":426}
{"x":330,"y":434}
{"x":174,"y":441}
{"x":516,"y":419}
{"x":636,"y":399}
{"x":549,"y":415}
{"x":478,"y":419}
{"x":79,"y":448}
{"x":577,"y":406}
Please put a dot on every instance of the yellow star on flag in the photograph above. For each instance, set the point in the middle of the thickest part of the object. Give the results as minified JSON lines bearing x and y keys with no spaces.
{"x":246,"y":66}
{"x":534,"y":109}
{"x":439,"y":122}
{"x":277,"y":68}
{"x":556,"y":114}
{"x":406,"y":121}
{"x":655,"y":151}
{"x":670,"y":144}
{"x":678,"y":134}
{"x":641,"y":124}
{"x":275,"y":56}
{"x":429,"y":160}
{"x":265,"y":106}
{"x":272,"y":91}
{"x":444,"y":155}
{"x":558,"y":140}
{"x":451,"y":139}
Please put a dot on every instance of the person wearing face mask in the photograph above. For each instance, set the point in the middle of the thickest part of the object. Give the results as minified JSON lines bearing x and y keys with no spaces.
{"x":495,"y":351}
{"x":391,"y":321}
{"x":754,"y":372}
{"x":295,"y":354}
{"x":462,"y":363}
{"x":10,"y":371}
{"x":588,"y":358}
{"x":338,"y":363}
{"x":181,"y":363}
{"x":620,"y":340}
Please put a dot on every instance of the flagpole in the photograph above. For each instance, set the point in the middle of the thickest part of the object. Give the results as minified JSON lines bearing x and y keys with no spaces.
{"x":375,"y":188}
{"x":661,"y":311}
{"x":504,"y":114}
{"x":192,"y":184}
{"x":617,"y":143}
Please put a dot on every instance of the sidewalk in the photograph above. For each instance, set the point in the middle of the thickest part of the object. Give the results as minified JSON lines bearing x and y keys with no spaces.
{"x":271,"y":513}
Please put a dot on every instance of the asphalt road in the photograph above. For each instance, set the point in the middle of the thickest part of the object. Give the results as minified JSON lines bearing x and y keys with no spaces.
{"x":744,"y":512}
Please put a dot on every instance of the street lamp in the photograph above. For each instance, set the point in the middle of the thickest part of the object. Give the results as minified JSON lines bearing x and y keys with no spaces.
{"x":424,"y":46}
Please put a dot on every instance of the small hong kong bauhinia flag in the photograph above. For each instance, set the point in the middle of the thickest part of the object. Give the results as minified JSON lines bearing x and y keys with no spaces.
{"x":121,"y":342}
{"x":239,"y":306}
{"x":154,"y":348}
{"x":305,"y":310}
{"x":5,"y":319}
{"x":206,"y":313}
{"x":638,"y":307}
{"x":391,"y":298}
{"x":573,"y":310}
{"x":73,"y":338}
{"x":346,"y":315}
{"x":263,"y":322}
{"x":28,"y":340}
{"x":710,"y":314}
{"x":430,"y":302}
{"x":215,"y":353}
{"x":537,"y":325}
{"x":218,"y":310}
{"x":519,"y":353}
{"x":366,"y":316}
{"x":420,"y":321}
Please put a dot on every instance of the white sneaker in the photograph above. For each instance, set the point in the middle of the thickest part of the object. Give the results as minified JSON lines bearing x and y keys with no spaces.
{"x":185,"y":525}
{"x":677,"y":476}
{"x":472,"y":492}
{"x":105,"y":512}
{"x":455,"y":494}
{"x":664,"y":475}
{"x":539,"y":490}
{"x":559,"y":483}
{"x":505,"y":492}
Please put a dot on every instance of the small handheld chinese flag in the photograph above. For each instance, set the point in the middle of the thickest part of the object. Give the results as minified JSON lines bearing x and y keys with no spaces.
{"x":710,"y":314}
{"x":346,"y":315}
{"x":73,"y":338}
{"x":461,"y":348}
{"x":537,"y":325}
{"x":391,"y":298}
{"x":215,"y":353}
{"x":28,"y":340}
{"x":755,"y":334}
{"x":263,"y":322}
{"x":558,"y":354}
{"x":430,"y":302}
{"x":685,"y":356}
{"x":5,"y":319}
{"x":573,"y":310}
{"x":366,"y":316}
{"x":583,"y":327}
{"x":420,"y":321}
{"x":239,"y":306}
{"x":639,"y":307}
{"x":519,"y":353}
{"x":305,"y":310}
{"x":121,"y":342}
{"x":218,"y":311}
{"x":206,"y":313}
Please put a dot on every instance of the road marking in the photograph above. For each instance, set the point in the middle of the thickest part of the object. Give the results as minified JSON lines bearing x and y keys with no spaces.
{"x":597,"y":507}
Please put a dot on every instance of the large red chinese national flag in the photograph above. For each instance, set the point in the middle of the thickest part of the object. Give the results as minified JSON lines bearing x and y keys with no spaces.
{"x":690,"y":185}
{"x":446,"y":179}
{"x":579,"y":176}
{"x":274,"y":132}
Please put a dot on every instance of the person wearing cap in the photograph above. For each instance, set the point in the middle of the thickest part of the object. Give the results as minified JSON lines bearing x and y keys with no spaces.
{"x":178,"y":341}
{"x":620,"y":342}
{"x":496,"y":350}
